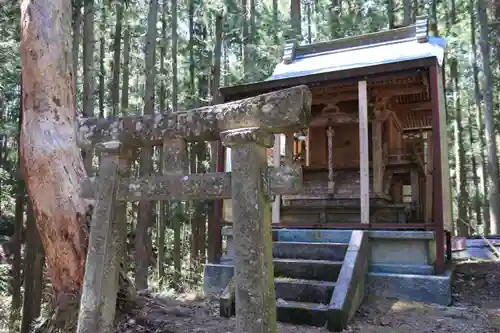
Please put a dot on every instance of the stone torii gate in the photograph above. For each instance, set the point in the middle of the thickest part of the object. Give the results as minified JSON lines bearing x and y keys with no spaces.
{"x":248,"y":127}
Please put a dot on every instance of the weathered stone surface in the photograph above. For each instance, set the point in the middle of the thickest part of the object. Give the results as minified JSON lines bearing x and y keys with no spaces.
{"x":215,"y":185}
{"x":254,"y":287}
{"x":421,"y":288}
{"x":275,"y":112}
{"x":177,"y":186}
{"x":243,"y":136}
{"x":350,"y":290}
{"x":286,"y":179}
{"x":175,"y":157}
{"x":100,"y":285}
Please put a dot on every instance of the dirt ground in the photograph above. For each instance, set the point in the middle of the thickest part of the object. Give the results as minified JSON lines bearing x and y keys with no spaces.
{"x":476,"y":309}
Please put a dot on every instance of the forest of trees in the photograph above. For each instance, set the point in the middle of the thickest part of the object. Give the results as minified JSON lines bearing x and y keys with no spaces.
{"x":140,"y":57}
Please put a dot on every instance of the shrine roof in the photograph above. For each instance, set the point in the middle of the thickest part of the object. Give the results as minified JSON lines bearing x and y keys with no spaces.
{"x":361,"y":56}
{"x":375,"y":53}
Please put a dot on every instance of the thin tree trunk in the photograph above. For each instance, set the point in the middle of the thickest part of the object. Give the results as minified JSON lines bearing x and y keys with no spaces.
{"x":77,"y":26}
{"x":142,"y":239}
{"x":275,"y":21}
{"x":164,"y":206}
{"x":213,"y":218}
{"x":461,"y":172}
{"x":126,"y":71}
{"x":390,"y":13}
{"x":244,"y":39}
{"x":88,"y":71}
{"x":295,"y":16}
{"x":406,"y":12}
{"x":475,"y":176}
{"x":16,"y":279}
{"x":178,"y":206}
{"x":102,"y":55}
{"x":115,"y":92}
{"x":309,"y":23}
{"x":34,"y":261}
{"x":490,"y":134}
{"x":478,"y":114}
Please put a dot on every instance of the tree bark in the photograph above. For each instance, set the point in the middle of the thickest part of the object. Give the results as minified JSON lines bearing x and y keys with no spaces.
{"x":164,"y":206}
{"x":88,"y":70}
{"x":479,"y":116}
{"x":390,"y":13}
{"x":142,"y":238}
{"x":102,"y":56}
{"x":115,"y":93}
{"x":77,"y":26}
{"x":126,"y":71}
{"x":34,"y":261}
{"x":295,"y":16}
{"x":490,"y":134}
{"x":50,"y":159}
{"x":406,"y":12}
{"x":16,"y":280}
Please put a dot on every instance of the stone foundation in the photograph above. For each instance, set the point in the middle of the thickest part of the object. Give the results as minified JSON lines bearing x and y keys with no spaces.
{"x":401,"y":263}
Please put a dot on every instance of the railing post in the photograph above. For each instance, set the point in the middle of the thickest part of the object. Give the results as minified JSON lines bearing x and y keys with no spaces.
{"x":254,"y":286}
{"x":106,"y":244}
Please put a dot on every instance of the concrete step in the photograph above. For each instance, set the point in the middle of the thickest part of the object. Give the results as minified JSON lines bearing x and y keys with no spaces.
{"x":302,"y":313}
{"x":310,"y":250}
{"x":313,"y":235}
{"x":319,"y":270}
{"x":298,"y":290}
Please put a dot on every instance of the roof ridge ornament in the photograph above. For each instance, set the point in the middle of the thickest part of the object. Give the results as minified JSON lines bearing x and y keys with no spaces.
{"x":422,"y":29}
{"x":289,"y":51}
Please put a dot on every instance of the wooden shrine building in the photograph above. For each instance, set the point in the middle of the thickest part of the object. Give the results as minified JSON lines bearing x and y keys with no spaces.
{"x":375,"y":155}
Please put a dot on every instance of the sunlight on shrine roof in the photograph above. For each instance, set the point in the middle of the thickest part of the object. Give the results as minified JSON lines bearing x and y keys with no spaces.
{"x":361,"y":56}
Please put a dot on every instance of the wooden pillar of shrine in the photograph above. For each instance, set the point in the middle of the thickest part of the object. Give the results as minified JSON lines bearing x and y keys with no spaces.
{"x":364,"y":178}
{"x":331,"y":184}
{"x":377,"y":162}
{"x":276,"y":164}
{"x":428,"y":180}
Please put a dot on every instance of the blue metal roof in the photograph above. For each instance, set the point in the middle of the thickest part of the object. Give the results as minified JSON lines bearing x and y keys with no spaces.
{"x":361,"y":56}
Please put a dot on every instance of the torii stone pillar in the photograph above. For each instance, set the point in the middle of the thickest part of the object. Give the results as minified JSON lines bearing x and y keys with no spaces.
{"x":254,"y":287}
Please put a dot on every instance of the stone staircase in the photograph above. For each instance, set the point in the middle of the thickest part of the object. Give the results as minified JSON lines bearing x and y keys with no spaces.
{"x":322,"y":275}
{"x":305,"y":278}
{"x":315,"y":282}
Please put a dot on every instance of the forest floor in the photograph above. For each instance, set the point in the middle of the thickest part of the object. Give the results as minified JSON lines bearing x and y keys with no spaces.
{"x":475,"y":309}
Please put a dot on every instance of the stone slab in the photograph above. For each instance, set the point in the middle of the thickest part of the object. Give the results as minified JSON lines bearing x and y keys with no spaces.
{"x":301,"y":313}
{"x":318,"y":251}
{"x":304,"y":290}
{"x":401,"y":234}
{"x":349,"y":289}
{"x":400,"y":251}
{"x":314,"y":235}
{"x":322,"y":270}
{"x":402,"y":269}
{"x":216,"y":277}
{"x":421,"y":288}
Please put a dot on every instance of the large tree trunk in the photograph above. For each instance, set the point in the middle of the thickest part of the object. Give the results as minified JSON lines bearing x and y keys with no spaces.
{"x":51,"y":161}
